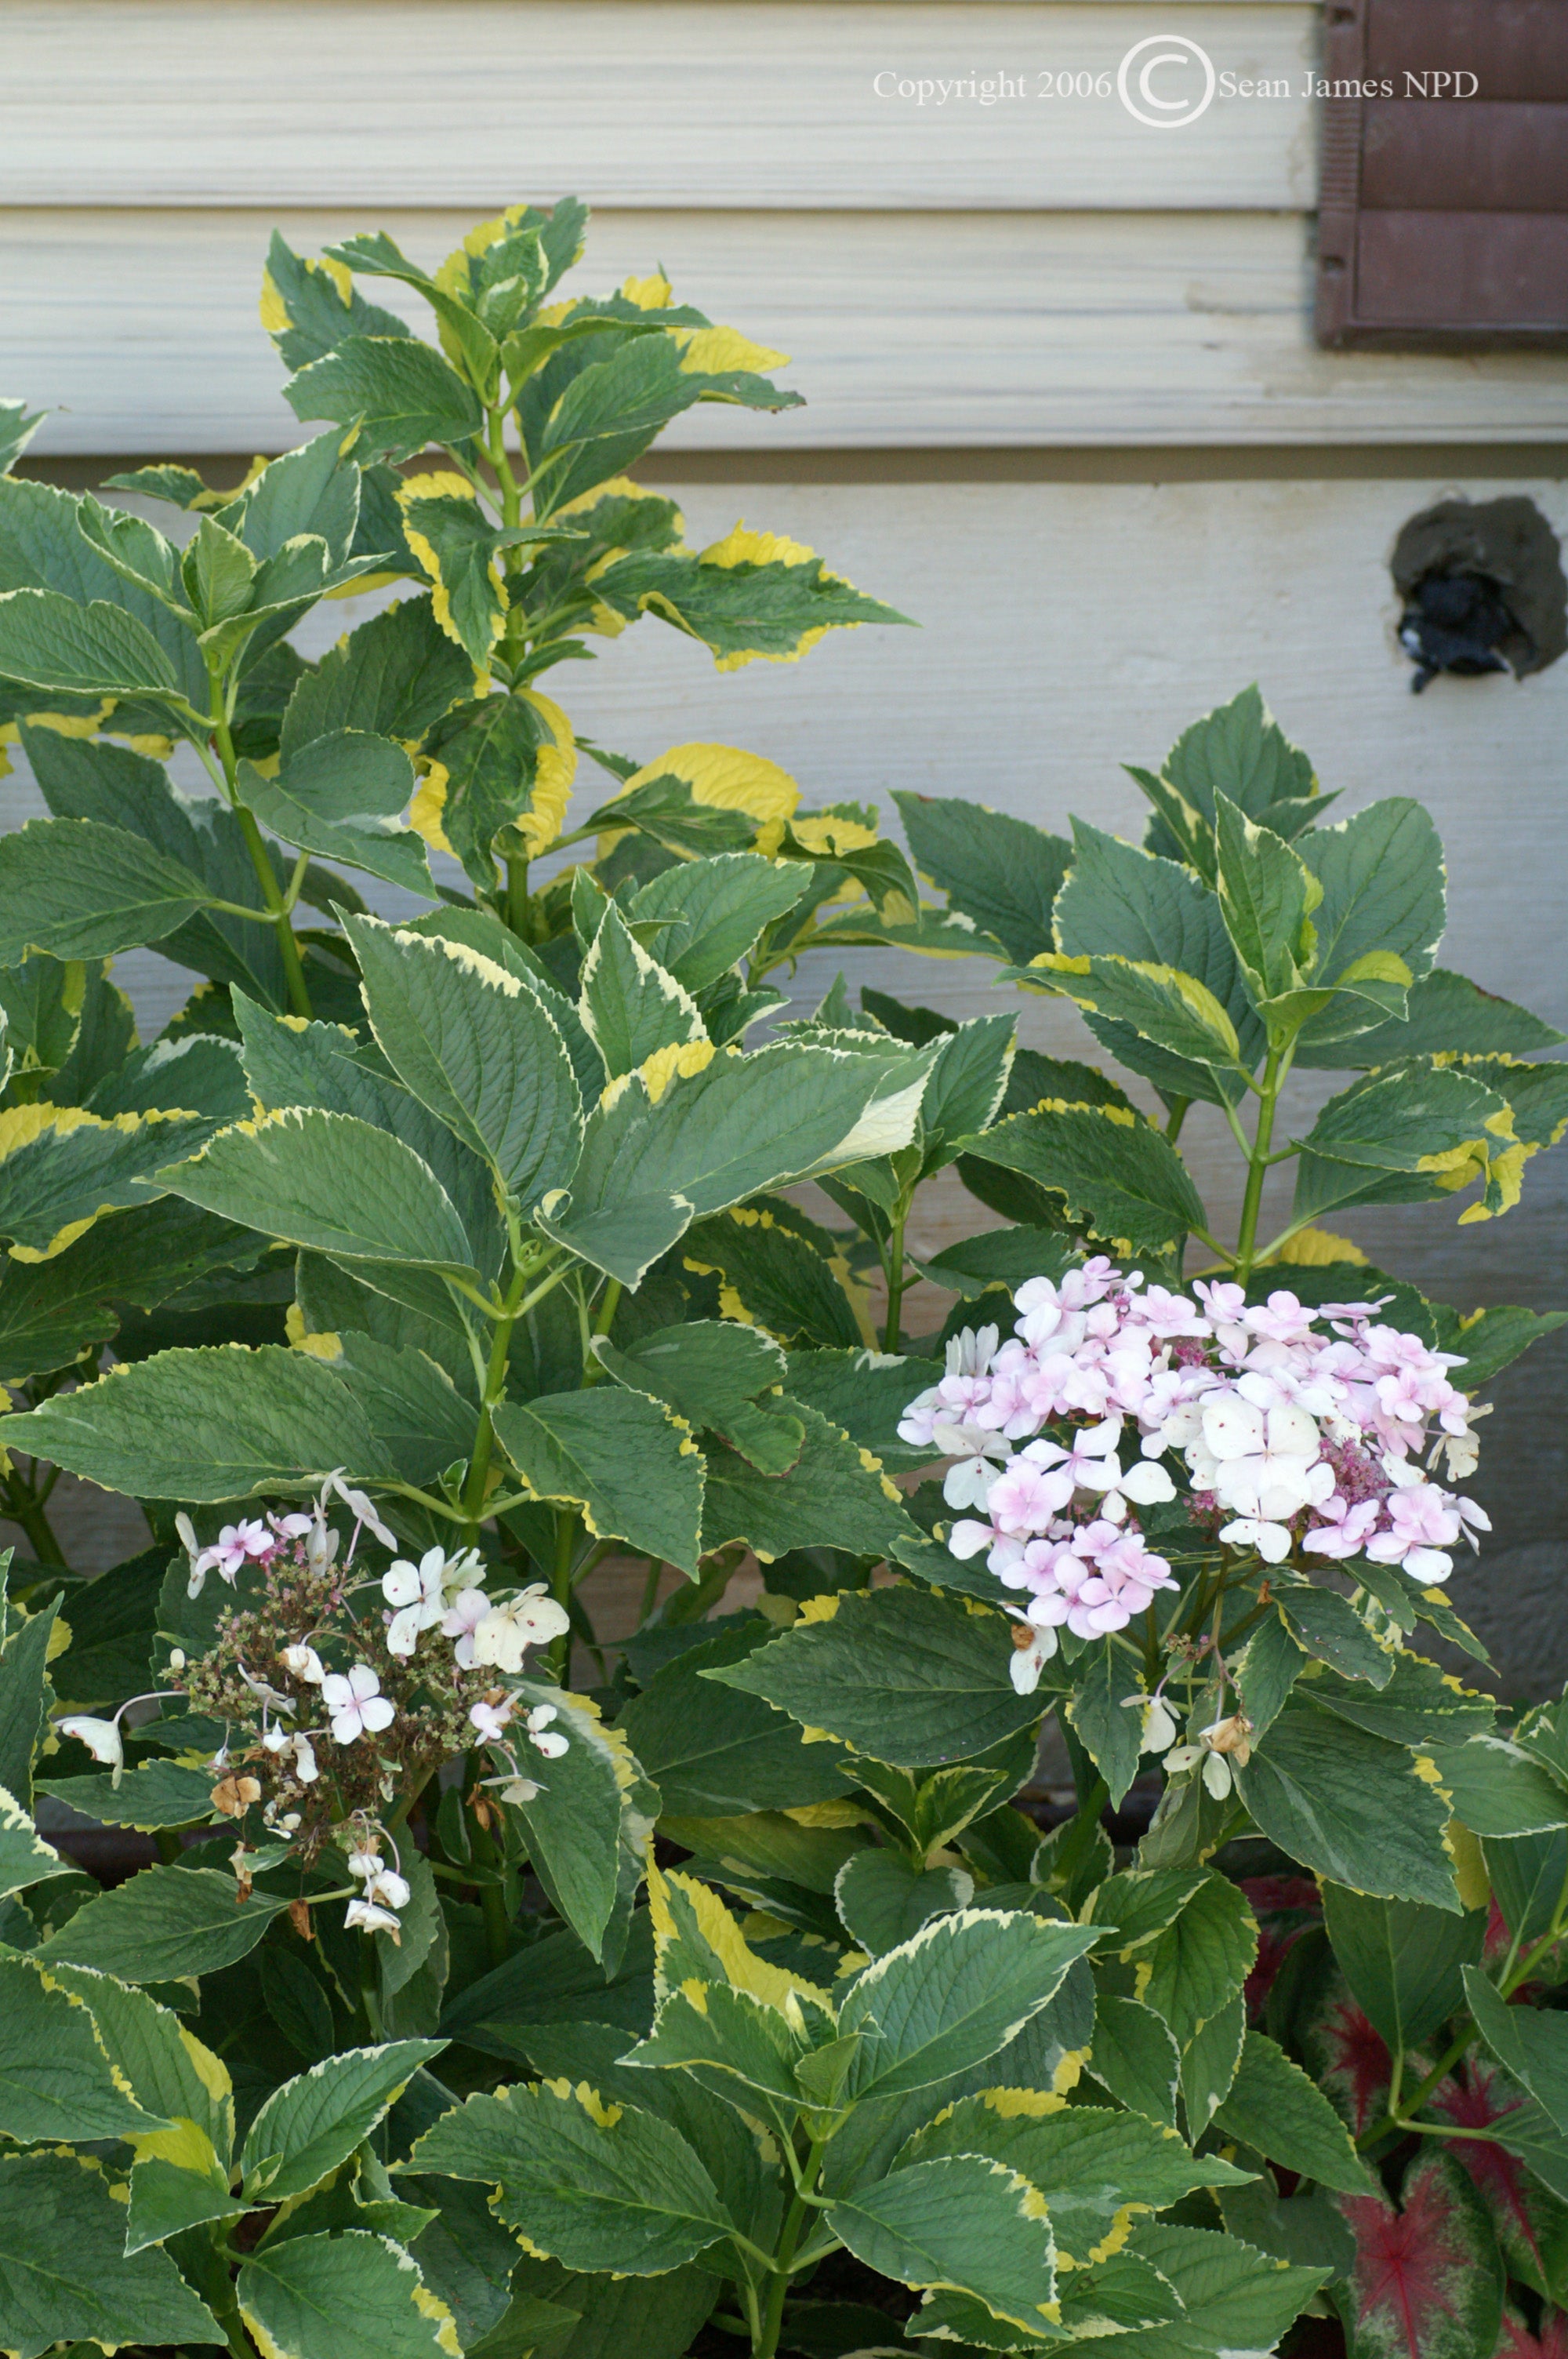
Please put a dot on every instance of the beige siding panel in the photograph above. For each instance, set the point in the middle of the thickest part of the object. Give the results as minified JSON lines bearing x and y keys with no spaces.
{"x":139,"y":331}
{"x":475,"y":103}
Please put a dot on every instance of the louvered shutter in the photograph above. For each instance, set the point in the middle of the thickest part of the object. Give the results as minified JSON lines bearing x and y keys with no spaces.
{"x":1443,"y":218}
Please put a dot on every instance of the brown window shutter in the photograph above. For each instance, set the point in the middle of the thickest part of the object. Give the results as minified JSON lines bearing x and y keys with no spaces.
{"x":1444,"y":218}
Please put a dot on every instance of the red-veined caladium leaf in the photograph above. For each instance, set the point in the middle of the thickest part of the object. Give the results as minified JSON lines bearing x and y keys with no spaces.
{"x":1346,"y":2058}
{"x":1530,"y":2222}
{"x":1284,"y":1907}
{"x":1517,"y":2342}
{"x":1428,"y":2281}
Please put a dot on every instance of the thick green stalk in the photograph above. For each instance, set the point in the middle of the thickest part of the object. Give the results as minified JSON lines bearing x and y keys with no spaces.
{"x":895,"y":1285}
{"x":766,"y":2341}
{"x":478,"y":1476}
{"x":517,"y":898}
{"x":1257,"y":1167}
{"x":506,"y":482}
{"x":497,"y":1924}
{"x":1178,"y":1116}
{"x":20,"y":1507}
{"x":261,"y":861}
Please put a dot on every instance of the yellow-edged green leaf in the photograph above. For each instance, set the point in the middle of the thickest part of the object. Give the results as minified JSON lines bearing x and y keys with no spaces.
{"x":398,"y":392}
{"x":1116,"y":1175}
{"x":47,"y":640}
{"x":630,"y":1006}
{"x":64,"y":2274}
{"x":598,"y":2186}
{"x":477,"y":1048}
{"x":354,"y":2296}
{"x":909,"y":1677}
{"x":960,"y":2224}
{"x":218,"y":1423}
{"x":165,"y":1923}
{"x":621,"y":1459}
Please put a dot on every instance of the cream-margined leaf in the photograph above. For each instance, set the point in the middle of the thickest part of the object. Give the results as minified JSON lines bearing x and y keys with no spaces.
{"x":478,"y":1050}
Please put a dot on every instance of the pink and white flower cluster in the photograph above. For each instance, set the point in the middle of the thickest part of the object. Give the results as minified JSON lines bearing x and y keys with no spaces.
{"x":326,"y":1712}
{"x":1302,"y":1429}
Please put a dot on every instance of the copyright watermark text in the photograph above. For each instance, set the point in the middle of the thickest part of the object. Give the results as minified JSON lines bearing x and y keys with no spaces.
{"x":1165,"y":82}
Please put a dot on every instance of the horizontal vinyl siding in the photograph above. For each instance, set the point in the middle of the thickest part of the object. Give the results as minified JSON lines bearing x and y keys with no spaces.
{"x":1035,"y":272}
{"x":140,"y":329}
{"x":710,"y":103}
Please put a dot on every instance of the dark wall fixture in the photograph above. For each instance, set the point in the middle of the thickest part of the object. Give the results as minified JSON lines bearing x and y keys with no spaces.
{"x":1443,"y":195}
{"x":1483,"y":589}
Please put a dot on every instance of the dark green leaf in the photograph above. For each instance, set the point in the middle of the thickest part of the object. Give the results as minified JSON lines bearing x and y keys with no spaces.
{"x":165,"y":1923}
{"x":625,"y":2192}
{"x":214,"y":1424}
{"x":1349,"y":1806}
{"x":713,"y":1750}
{"x":998,"y":870}
{"x":64,"y":2276}
{"x":1403,"y":1962}
{"x":1273,"y":2107}
{"x":1116,"y":1176}
{"x":620,"y":1458}
{"x":905,"y":1675}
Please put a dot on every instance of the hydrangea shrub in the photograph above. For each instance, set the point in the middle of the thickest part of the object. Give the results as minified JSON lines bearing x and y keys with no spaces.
{"x":502,"y":1987}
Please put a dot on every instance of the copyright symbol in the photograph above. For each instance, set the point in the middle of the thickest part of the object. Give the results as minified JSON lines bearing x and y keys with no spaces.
{"x":1137,"y":92}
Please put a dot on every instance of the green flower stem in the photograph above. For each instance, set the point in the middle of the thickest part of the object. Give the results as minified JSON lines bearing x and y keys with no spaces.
{"x":1178,"y":1116}
{"x":766,"y":2341}
{"x":410,"y":1796}
{"x":1257,"y":1165}
{"x":497,"y":1923}
{"x":561,"y":1586}
{"x":21,"y":1506}
{"x":895,"y":1268}
{"x":261,"y":861}
{"x":474,"y":1482}
{"x":1151,"y":1649}
{"x":517,"y":898}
